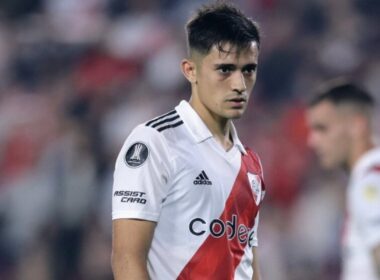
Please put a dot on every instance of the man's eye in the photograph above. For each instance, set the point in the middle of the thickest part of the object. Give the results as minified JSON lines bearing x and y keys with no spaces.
{"x":249,"y":70}
{"x":224,"y":70}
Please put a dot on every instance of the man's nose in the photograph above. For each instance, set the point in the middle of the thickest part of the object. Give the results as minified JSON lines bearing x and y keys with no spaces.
{"x":238,"y":83}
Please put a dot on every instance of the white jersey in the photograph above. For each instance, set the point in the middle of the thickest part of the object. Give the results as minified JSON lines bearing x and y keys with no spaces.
{"x":204,"y":200}
{"x":362,"y":232}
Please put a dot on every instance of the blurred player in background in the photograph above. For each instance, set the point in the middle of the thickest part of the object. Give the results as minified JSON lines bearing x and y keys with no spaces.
{"x":341,"y":133}
{"x":186,"y":192}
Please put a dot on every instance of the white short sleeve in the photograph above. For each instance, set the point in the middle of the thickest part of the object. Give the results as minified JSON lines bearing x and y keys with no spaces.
{"x":367,"y":201}
{"x":141,"y":176}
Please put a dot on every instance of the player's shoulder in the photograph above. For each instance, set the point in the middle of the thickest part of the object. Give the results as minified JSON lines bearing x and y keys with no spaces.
{"x":371,"y":170}
{"x":158,"y":128}
{"x":165,"y":121}
{"x":370,"y":162}
{"x":252,"y":153}
{"x":367,"y":166}
{"x":368,"y":180}
{"x":255,"y":158}
{"x":372,"y":175}
{"x":367,"y":186}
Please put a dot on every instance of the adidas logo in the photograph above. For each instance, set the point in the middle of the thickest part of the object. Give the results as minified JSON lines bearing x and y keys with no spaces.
{"x":202,"y":179}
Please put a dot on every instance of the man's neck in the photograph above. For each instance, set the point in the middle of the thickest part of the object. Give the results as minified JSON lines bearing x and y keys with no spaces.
{"x":219,"y":127}
{"x":223,"y":135}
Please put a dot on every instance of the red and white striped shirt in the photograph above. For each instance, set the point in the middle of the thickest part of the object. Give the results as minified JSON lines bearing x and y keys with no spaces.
{"x":204,"y":200}
{"x":362,"y":230}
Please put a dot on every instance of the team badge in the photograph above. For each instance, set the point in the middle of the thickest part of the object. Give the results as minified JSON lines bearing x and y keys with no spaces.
{"x":255,"y":182}
{"x":371,"y":193}
{"x":136,"y":154}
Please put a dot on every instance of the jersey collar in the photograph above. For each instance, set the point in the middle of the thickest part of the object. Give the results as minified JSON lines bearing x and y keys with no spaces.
{"x":367,"y":160}
{"x":198,"y":128}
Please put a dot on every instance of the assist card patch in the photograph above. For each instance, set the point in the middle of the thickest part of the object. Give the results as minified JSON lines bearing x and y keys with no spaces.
{"x":136,"y":154}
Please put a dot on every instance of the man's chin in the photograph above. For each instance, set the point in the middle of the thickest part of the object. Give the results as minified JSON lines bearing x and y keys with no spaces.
{"x":236,"y":114}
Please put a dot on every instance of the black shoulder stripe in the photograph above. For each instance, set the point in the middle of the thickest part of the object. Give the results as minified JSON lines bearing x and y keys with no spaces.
{"x":160,"y":117}
{"x":165,"y":121}
{"x":170,"y":126}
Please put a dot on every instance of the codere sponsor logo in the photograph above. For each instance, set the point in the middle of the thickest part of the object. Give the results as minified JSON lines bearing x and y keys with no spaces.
{"x":217,"y":228}
{"x":202,"y":179}
{"x":131,"y":196}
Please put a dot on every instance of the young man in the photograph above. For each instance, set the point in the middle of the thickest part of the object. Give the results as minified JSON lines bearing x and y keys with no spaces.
{"x":340,"y":121}
{"x":186,"y":192}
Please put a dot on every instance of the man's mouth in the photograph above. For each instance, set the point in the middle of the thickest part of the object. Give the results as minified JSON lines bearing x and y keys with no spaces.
{"x":237,"y":101}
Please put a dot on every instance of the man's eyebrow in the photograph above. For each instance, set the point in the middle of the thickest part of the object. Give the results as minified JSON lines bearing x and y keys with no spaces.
{"x":230,"y":65}
{"x":250,"y":65}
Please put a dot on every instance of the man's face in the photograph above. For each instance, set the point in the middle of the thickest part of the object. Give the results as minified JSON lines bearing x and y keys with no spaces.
{"x":329,"y":134}
{"x":225,"y":81}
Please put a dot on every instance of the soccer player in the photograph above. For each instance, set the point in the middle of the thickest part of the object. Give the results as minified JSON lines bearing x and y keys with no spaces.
{"x":340,"y":120}
{"x":186,"y":192}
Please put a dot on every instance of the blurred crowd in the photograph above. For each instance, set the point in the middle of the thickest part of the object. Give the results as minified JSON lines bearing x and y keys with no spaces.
{"x":77,"y":76}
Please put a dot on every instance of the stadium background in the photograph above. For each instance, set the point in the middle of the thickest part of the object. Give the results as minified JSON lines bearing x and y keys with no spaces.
{"x":77,"y":76}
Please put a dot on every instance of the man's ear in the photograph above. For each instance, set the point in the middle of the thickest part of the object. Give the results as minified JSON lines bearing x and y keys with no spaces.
{"x":189,"y":70}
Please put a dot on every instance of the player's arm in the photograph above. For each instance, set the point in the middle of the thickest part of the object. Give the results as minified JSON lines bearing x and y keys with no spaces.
{"x":255,"y":265}
{"x":131,"y":241}
{"x":253,"y":243}
{"x":254,"y":239}
{"x":140,"y":177}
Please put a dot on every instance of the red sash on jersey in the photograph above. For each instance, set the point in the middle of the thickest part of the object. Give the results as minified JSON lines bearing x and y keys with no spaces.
{"x":217,"y":258}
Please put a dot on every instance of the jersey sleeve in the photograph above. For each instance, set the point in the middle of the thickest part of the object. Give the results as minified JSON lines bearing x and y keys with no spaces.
{"x":141,"y":176}
{"x":253,"y":240}
{"x":367,"y":201}
{"x":263,"y":191}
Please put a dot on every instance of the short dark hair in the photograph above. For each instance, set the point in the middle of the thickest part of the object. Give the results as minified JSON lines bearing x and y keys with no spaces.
{"x":341,"y":92}
{"x":220,"y":23}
